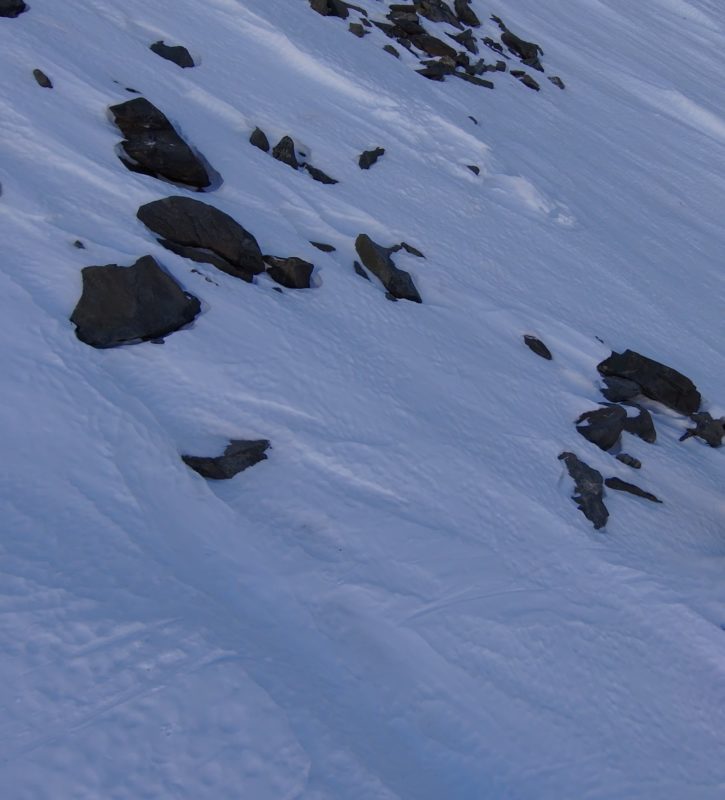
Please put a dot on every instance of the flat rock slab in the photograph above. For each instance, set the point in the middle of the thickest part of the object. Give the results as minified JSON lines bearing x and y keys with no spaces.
{"x":377,"y":259}
{"x":537,"y":346}
{"x":12,"y":8}
{"x":199,"y":231}
{"x":240,"y":454}
{"x":125,"y":305}
{"x":623,"y":486}
{"x":657,"y":381}
{"x":176,"y":53}
{"x":603,"y":426}
{"x":153,"y":147}
{"x":588,"y":489}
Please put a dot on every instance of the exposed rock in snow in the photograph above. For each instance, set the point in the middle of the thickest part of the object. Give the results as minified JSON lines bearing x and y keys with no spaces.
{"x":588,"y":489}
{"x":377,"y":259}
{"x":630,"y":488}
{"x":12,"y":8}
{"x":537,"y":346}
{"x":604,"y":426}
{"x":176,"y":53}
{"x":42,"y":79}
{"x":153,"y":146}
{"x":259,"y":139}
{"x":239,"y":455}
{"x":706,"y":428}
{"x":124,"y":305}
{"x":642,"y":425}
{"x":370,"y":157}
{"x":292,"y":273}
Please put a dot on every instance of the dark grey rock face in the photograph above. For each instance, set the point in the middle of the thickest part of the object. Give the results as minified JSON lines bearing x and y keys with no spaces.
{"x":466,"y":14}
{"x":622,"y":486}
{"x":657,"y":381}
{"x":619,"y":390}
{"x":437,"y":11}
{"x":630,"y":461}
{"x":319,"y":175}
{"x":537,"y":346}
{"x":204,"y":233}
{"x":330,"y":8}
{"x":176,"y":53}
{"x":526,"y":79}
{"x":604,"y":426}
{"x":42,"y":79}
{"x":292,"y":273}
{"x":706,"y":428}
{"x":123,"y":305}
{"x":153,"y":147}
{"x":239,"y":455}
{"x":377,"y":259}
{"x":12,"y":8}
{"x":284,"y":151}
{"x":642,"y":426}
{"x":370,"y":157}
{"x":259,"y":139}
{"x":588,"y":490}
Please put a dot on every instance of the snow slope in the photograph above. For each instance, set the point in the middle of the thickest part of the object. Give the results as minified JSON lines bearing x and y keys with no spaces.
{"x":403,"y":601}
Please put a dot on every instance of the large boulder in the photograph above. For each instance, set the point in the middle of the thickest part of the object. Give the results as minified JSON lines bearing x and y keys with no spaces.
{"x":201,"y":232}
{"x":176,"y":53}
{"x":377,"y":259}
{"x":657,"y":381}
{"x":239,"y":455}
{"x":603,"y":426}
{"x":124,"y":305}
{"x":153,"y":147}
{"x":12,"y":8}
{"x":588,"y":489}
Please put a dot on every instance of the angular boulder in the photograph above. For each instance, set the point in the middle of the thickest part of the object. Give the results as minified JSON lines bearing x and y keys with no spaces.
{"x":259,"y":139}
{"x":124,"y":305}
{"x":656,"y":381}
{"x":369,"y":157}
{"x":12,"y":8}
{"x":153,"y":147}
{"x":203,"y":233}
{"x":176,"y":53}
{"x":292,"y":273}
{"x":604,"y":426}
{"x":642,"y":426}
{"x":377,"y":259}
{"x":588,"y":490}
{"x":240,"y":454}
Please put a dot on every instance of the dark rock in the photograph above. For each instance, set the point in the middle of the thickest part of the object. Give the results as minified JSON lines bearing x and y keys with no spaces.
{"x":284,"y":151}
{"x":370,"y":157}
{"x":604,"y":426}
{"x":153,"y":147}
{"x":42,"y":79}
{"x":495,"y":46}
{"x":391,"y":297}
{"x":630,"y":461}
{"x":432,"y":46}
{"x":557,"y":81}
{"x":528,"y":52}
{"x":360,"y":271}
{"x":619,"y":390}
{"x":474,"y":169}
{"x":623,"y":486}
{"x":588,"y":490}
{"x":657,"y":381}
{"x":238,"y":456}
{"x":435,"y":70}
{"x":390,"y":49}
{"x":12,"y":8}
{"x":642,"y":426}
{"x":203,"y":233}
{"x":465,"y":39}
{"x":526,"y":79}
{"x":78,"y":244}
{"x":475,"y":80}
{"x":357,"y":30}
{"x":319,"y":175}
{"x":500,"y":66}
{"x":537,"y":346}
{"x":124,"y":305}
{"x":326,"y":248}
{"x":413,"y":251}
{"x":437,"y":11}
{"x":473,"y":119}
{"x":176,"y":53}
{"x":466,"y":14}
{"x":330,"y":8}
{"x":706,"y":428}
{"x":259,"y":139}
{"x":377,"y":259}
{"x":292,"y":273}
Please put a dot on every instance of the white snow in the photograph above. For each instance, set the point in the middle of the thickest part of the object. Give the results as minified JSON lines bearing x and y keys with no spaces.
{"x":403,"y":602}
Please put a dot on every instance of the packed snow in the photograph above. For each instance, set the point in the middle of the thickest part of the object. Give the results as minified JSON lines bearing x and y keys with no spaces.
{"x":402,"y":602}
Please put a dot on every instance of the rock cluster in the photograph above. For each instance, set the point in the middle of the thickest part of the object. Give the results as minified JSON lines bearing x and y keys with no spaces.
{"x":286,"y":152}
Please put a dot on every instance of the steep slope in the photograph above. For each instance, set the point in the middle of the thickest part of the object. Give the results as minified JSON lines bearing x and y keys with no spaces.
{"x":402,"y":601}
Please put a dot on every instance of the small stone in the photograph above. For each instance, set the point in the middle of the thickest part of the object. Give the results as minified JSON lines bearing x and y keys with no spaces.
{"x":473,"y":119}
{"x":357,"y":30}
{"x":390,"y":49}
{"x":326,"y":248}
{"x":319,"y":175}
{"x":464,"y":76}
{"x":557,"y":81}
{"x":284,"y":151}
{"x":176,"y":53}
{"x":474,"y":169}
{"x":292,"y":273}
{"x":588,"y":490}
{"x":537,"y":346}
{"x":622,"y":486}
{"x":238,"y":456}
{"x":526,"y":79}
{"x":78,"y":244}
{"x":42,"y":79}
{"x":370,"y":157}
{"x":630,"y":461}
{"x":259,"y":139}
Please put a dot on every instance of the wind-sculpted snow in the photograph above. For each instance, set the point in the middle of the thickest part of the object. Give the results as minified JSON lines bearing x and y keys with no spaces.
{"x":403,"y":602}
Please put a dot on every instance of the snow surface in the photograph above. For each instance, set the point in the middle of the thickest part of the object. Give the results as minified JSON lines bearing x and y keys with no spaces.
{"x":403,"y":601}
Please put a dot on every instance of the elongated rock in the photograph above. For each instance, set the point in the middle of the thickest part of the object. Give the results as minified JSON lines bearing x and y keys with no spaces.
{"x":178,"y":54}
{"x":240,"y":454}
{"x":377,"y":259}
{"x":588,"y":489}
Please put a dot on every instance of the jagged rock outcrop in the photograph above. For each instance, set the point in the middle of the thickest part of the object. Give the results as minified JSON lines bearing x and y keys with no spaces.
{"x":588,"y":489}
{"x":656,"y":381}
{"x":528,"y":52}
{"x":642,"y":425}
{"x":240,"y":454}
{"x":153,"y":146}
{"x":124,"y":305}
{"x":178,"y":54}
{"x":377,"y":259}
{"x":466,"y":14}
{"x":203,"y":233}
{"x":604,"y":426}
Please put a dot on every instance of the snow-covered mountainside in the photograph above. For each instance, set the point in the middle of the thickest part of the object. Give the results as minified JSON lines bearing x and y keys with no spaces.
{"x":400,"y":599}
